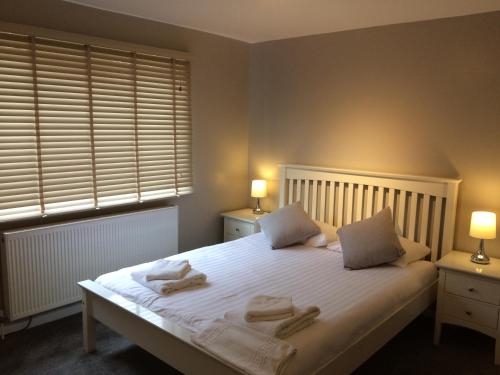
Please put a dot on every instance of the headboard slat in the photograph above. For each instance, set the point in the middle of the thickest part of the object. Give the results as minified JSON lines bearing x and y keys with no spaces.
{"x":350,"y":194}
{"x":340,"y":206}
{"x":339,"y":197}
{"x":298,"y":195}
{"x":331,"y":203}
{"x":413,"y":215}
{"x":314,"y":196}
{"x":424,"y":221}
{"x":306,"y":196}
{"x":390,"y":201}
{"x":435,"y":227}
{"x":369,"y":201}
{"x":359,"y":202}
{"x":401,"y":212}
{"x":322,"y":202}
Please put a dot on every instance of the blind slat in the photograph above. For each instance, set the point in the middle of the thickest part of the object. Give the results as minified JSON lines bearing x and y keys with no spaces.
{"x":84,"y":126}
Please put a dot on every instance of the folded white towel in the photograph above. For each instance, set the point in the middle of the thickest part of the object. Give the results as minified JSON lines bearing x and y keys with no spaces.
{"x":192,"y":278}
{"x":250,"y":351}
{"x":268,"y":308}
{"x":164,"y":269}
{"x":302,"y":318}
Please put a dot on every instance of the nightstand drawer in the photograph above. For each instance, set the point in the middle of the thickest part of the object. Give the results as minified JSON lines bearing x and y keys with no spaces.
{"x":471,"y":287}
{"x":237,"y":228}
{"x":471,"y":311}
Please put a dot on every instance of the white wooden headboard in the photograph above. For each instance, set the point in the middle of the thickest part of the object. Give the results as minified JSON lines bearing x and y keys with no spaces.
{"x":423,"y":208}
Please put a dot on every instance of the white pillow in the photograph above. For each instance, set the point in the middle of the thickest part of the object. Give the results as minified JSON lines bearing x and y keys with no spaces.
{"x":327,"y":235}
{"x":414,"y":251}
{"x":335,"y":247}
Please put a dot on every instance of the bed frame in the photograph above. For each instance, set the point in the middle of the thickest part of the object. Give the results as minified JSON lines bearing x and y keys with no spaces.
{"x":423,"y":209}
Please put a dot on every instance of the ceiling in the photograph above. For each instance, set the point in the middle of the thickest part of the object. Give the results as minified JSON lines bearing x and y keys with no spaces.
{"x":256,"y":21}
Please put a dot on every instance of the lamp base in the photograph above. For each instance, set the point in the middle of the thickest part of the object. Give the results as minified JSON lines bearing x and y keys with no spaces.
{"x":480,"y":256}
{"x":257,"y":210}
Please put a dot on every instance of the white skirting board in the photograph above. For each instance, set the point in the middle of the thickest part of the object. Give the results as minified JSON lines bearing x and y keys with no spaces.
{"x":43,"y":318}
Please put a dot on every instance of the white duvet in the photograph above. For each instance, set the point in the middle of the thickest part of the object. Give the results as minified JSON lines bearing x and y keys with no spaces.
{"x":351,"y":302}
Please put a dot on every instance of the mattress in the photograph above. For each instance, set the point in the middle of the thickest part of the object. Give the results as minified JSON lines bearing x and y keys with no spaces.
{"x":351,"y":302}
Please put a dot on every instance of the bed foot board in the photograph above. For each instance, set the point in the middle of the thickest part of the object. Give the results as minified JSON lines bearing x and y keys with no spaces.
{"x":159,"y":336}
{"x":89,"y":324}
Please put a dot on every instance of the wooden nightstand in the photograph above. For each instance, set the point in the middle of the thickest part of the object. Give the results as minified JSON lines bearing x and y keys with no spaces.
{"x":240,"y":223}
{"x":469,"y":296}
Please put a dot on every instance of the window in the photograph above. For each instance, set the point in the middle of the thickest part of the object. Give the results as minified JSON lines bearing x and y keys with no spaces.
{"x":86,"y":126}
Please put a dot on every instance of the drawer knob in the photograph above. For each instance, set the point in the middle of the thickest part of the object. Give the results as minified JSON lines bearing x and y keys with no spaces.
{"x":237,"y":229}
{"x":472,"y":290}
{"x":468,"y":313}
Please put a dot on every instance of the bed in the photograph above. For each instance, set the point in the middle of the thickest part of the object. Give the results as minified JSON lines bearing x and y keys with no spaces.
{"x":361,"y":310}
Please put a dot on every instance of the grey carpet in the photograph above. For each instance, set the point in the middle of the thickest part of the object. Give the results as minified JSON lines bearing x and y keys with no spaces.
{"x":56,"y":348}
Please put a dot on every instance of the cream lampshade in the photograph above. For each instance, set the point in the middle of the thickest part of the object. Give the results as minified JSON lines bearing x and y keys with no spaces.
{"x":483,"y":225}
{"x":259,"y":190}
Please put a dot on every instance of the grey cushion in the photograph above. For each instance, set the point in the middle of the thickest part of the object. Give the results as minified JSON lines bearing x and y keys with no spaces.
{"x":287,"y":226}
{"x":370,"y":242}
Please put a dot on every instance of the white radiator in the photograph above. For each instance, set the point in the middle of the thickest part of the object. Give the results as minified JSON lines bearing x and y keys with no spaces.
{"x":41,"y":266}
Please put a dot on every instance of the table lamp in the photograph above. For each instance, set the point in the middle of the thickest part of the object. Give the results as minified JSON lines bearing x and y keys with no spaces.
{"x":483,"y":225}
{"x":259,"y":190}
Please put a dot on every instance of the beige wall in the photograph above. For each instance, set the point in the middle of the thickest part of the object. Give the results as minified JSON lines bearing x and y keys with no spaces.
{"x":420,"y":98}
{"x":219,"y":102}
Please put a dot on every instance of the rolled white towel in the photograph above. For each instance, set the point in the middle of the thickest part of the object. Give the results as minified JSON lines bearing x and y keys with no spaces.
{"x":164,"y":269}
{"x":250,"y":351}
{"x":302,"y":318}
{"x":192,"y":278}
{"x":268,"y":308}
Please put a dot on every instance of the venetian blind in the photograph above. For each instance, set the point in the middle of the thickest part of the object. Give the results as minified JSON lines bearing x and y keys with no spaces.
{"x":85,"y":126}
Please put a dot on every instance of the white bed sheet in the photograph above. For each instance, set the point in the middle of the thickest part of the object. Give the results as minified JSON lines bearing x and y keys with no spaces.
{"x":351,"y":302}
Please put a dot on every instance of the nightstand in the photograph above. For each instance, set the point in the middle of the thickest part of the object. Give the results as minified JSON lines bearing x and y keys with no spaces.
{"x":469,"y":296}
{"x":240,"y":223}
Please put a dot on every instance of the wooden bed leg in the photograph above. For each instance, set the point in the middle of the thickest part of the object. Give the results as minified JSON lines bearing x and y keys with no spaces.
{"x":439,"y":308}
{"x":437,"y":332}
{"x":497,"y":347}
{"x":88,"y":324}
{"x":497,"y":351}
